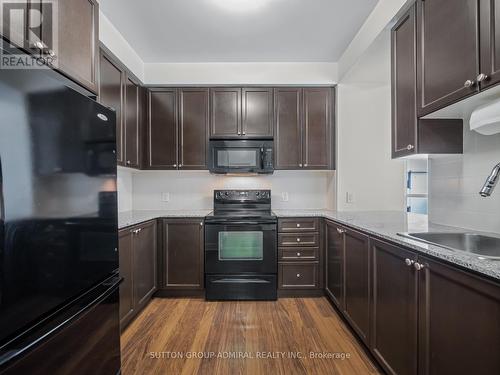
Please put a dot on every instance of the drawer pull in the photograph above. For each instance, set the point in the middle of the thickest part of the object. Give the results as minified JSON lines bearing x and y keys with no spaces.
{"x":298,"y":239}
{"x":298,"y":225}
{"x":298,"y":254}
{"x":298,"y":275}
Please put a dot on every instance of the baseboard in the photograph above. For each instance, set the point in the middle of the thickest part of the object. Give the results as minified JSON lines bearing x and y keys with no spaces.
{"x":288,"y":293}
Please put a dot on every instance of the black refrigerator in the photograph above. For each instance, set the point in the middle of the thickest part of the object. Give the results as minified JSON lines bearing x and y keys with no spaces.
{"x":58,"y":229}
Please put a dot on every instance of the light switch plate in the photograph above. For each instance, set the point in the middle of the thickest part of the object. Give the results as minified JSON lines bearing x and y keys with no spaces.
{"x":284,"y":196}
{"x":165,"y":197}
{"x":349,"y":197}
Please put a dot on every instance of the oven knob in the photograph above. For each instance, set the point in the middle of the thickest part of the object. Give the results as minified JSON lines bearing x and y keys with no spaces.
{"x":226,"y":194}
{"x":258,"y":193}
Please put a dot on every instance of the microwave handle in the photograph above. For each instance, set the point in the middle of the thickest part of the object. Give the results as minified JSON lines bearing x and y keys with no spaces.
{"x":262,"y":157}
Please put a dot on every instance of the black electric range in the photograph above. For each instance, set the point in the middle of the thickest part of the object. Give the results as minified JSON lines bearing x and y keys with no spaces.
{"x":241,"y":246}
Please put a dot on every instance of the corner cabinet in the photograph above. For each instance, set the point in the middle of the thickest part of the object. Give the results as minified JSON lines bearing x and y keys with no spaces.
{"x":335,"y":257}
{"x":304,"y":132}
{"x":137,"y":255}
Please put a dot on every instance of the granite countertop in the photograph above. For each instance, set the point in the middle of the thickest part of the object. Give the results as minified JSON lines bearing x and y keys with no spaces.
{"x":387,"y":225}
{"x":128,"y":218}
{"x":382,"y":224}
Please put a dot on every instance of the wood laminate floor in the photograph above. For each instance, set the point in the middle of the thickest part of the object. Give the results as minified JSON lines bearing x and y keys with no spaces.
{"x":280,"y":337}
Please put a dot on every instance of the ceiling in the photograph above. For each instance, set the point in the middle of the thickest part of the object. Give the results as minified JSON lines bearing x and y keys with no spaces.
{"x":238,"y":30}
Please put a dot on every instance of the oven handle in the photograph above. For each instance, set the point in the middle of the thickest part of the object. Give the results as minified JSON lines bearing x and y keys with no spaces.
{"x":241,"y":281}
{"x":236,"y":223}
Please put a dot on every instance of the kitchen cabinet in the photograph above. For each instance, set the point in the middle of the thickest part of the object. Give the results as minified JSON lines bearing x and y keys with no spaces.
{"x":137,"y":257}
{"x":257,"y":112}
{"x":132,"y":128}
{"x":162,"y":144}
{"x":225,"y":109}
{"x":193,"y":128}
{"x":335,"y":256}
{"x":303,"y":128}
{"x":394,"y":314}
{"x":78,"y":49}
{"x":459,"y":318}
{"x":448,"y":52}
{"x":489,"y":22}
{"x":411,"y":135}
{"x":182,"y":254}
{"x":111,"y":94}
{"x":357,"y":282}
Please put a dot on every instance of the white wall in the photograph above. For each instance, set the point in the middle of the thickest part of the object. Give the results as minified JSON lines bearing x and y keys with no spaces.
{"x":194,"y":189}
{"x":240,"y":73}
{"x":364,"y":163}
{"x":124,"y":186}
{"x":455,"y":181}
{"x":117,"y":44}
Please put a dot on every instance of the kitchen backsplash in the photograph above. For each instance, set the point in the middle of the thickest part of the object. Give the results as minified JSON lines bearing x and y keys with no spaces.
{"x":455,"y":181}
{"x":194,"y":189}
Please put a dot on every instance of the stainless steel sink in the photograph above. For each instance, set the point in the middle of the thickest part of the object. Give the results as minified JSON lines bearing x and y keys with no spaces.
{"x":486,"y":247}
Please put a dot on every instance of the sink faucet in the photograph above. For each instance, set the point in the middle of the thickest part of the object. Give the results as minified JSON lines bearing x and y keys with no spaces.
{"x":491,"y":181}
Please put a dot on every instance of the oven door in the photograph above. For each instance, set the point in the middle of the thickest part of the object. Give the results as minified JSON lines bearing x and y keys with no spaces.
{"x":236,"y":248}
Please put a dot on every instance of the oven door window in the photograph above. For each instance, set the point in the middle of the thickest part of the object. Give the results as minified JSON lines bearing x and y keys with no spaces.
{"x":245,"y":245}
{"x":238,"y":157}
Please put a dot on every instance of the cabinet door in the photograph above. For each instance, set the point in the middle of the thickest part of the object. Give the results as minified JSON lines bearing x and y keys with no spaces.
{"x":394,"y":314}
{"x":317,"y":133}
{"x":225,"y":109}
{"x":459,"y":321}
{"x":144,"y":256}
{"x":357,"y":282}
{"x":404,"y":116}
{"x":193,"y":128}
{"x":183,"y":254}
{"x":78,"y":40}
{"x":132,"y":135}
{"x":111,"y":94}
{"x":448,"y":50}
{"x":126,"y":287}
{"x":257,"y":109}
{"x":162,"y":129}
{"x":288,"y":128}
{"x":335,"y":263}
{"x":490,"y":42}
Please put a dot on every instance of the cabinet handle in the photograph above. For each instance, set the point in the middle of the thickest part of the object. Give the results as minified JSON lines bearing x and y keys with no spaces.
{"x":482,"y":77}
{"x":128,"y":162}
{"x":175,"y":165}
{"x":244,"y":133}
{"x":410,"y":147}
{"x":409,"y":262}
{"x":298,"y":239}
{"x":239,"y":133}
{"x":298,"y":254}
{"x":180,"y":165}
{"x":298,"y":275}
{"x":51,"y":53}
{"x":300,"y":165}
{"x":305,"y":165}
{"x":340,"y":231}
{"x":201,"y":224}
{"x":418,"y":266}
{"x":468,"y":83}
{"x":298,"y":225}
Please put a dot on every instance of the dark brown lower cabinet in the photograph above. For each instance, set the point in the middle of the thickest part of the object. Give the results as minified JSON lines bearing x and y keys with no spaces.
{"x":182,"y":254}
{"x":459,"y":321}
{"x":335,"y":263}
{"x":357,"y":282}
{"x":394,"y":313}
{"x":138,"y":252}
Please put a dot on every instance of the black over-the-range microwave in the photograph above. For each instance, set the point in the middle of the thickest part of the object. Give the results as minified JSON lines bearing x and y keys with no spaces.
{"x":241,"y":156}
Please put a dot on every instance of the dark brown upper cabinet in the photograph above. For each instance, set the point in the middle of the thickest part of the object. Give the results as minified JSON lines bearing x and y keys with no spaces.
{"x":132,"y":122}
{"x":111,"y":94}
{"x":304,"y":128}
{"x":357,"y":282}
{"x":335,"y":263}
{"x":78,"y":42}
{"x":459,"y":317}
{"x":162,"y":144}
{"x":225,"y":109}
{"x":394,"y":308}
{"x":257,"y":112}
{"x":182,"y":254}
{"x":411,"y":135}
{"x":193,"y":127}
{"x":448,"y":52}
{"x":489,"y":22}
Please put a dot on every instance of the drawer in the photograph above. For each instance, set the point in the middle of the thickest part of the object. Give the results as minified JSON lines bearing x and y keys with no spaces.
{"x":298,"y":275}
{"x":298,"y":239}
{"x":304,"y":224}
{"x":298,"y":253}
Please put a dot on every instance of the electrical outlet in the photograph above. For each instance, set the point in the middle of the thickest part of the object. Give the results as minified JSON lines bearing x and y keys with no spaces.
{"x":349,"y":197}
{"x":284,"y":196}
{"x":165,"y":197}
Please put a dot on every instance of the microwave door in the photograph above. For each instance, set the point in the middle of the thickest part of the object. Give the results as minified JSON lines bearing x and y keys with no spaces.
{"x":237,"y":159}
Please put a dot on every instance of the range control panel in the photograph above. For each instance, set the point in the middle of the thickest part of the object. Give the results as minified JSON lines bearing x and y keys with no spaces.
{"x":257,"y":196}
